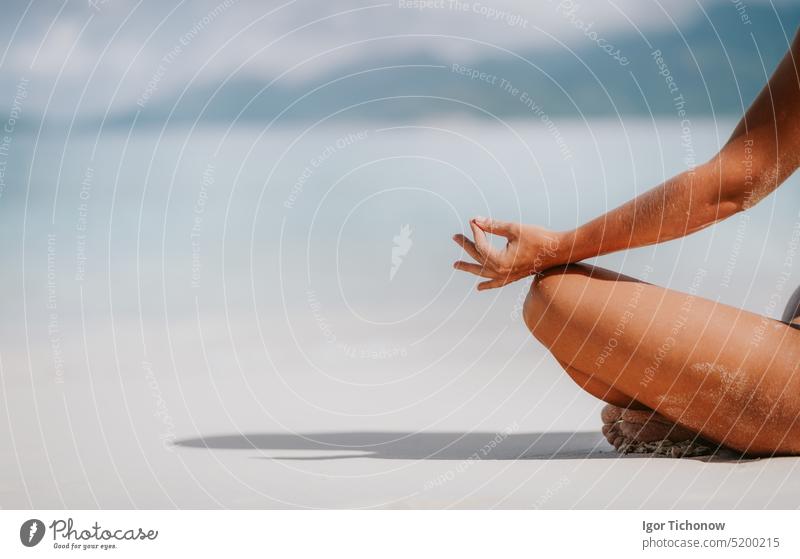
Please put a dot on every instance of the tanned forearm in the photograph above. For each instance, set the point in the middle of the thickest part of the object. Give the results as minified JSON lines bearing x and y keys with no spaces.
{"x":674,"y":209}
{"x":762,"y":152}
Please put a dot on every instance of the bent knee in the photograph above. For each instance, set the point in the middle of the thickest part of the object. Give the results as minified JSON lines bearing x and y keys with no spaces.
{"x":556,"y":294}
{"x":545,"y":305}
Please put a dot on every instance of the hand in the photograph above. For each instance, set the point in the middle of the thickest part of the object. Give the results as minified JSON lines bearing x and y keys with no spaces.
{"x":530,"y":249}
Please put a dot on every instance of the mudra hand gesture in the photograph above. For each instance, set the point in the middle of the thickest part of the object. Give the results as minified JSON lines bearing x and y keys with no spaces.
{"x":530,"y":249}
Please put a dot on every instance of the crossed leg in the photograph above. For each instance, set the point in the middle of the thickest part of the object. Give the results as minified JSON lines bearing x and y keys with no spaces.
{"x":727,"y":374}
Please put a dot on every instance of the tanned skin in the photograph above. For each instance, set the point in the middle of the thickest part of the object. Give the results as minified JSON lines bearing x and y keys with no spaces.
{"x":727,"y":374}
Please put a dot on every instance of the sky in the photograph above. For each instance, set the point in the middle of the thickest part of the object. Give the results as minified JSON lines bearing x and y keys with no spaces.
{"x":98,"y":56}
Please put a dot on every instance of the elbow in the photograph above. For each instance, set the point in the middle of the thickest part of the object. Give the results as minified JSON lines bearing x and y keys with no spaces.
{"x":721,"y":197}
{"x":741,"y":176}
{"x":719,"y":210}
{"x":735,"y":200}
{"x":732,"y":205}
{"x":736,"y":187}
{"x":746,"y":192}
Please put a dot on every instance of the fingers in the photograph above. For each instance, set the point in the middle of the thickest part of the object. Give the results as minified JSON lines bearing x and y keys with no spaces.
{"x":499,"y":281}
{"x":484,"y":253}
{"x":496,"y":227}
{"x":471,"y":267}
{"x":494,"y":283}
{"x":476,"y":269}
{"x":468,"y":246}
{"x":481,"y":242}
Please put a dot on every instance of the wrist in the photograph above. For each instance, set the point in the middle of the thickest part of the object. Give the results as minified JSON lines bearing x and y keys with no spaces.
{"x":578,"y":244}
{"x":563,"y":246}
{"x":552,"y":250}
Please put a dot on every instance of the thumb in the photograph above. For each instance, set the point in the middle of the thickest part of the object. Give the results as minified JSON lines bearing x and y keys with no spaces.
{"x":496,"y":227}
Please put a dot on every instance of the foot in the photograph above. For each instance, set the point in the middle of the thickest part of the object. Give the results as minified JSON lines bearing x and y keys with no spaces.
{"x":647,"y":432}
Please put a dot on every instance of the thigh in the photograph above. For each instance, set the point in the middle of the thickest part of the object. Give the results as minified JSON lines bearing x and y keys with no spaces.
{"x":718,"y":370}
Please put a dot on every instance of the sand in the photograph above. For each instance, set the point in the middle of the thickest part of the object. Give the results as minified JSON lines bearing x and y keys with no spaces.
{"x":144,"y":437}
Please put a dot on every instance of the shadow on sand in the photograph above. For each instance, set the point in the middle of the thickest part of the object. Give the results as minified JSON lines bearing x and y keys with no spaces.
{"x":393,"y":445}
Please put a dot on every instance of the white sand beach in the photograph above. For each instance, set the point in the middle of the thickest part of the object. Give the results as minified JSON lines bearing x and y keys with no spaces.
{"x":259,"y":355}
{"x":138,"y":438}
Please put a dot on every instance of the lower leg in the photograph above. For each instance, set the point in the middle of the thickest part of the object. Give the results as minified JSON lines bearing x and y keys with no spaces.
{"x":629,"y":425}
{"x":716,"y":370}
{"x":601,"y":390}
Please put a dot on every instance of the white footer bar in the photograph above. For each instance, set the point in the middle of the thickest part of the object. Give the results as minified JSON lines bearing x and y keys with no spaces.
{"x":388,"y":534}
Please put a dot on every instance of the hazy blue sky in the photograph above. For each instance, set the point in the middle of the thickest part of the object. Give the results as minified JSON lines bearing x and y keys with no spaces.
{"x":101,"y":57}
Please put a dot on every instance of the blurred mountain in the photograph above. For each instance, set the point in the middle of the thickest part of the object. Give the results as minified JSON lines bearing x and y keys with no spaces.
{"x":718,"y":63}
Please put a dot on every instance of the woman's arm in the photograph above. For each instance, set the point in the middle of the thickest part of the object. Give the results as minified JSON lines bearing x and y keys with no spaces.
{"x":762,"y":152}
